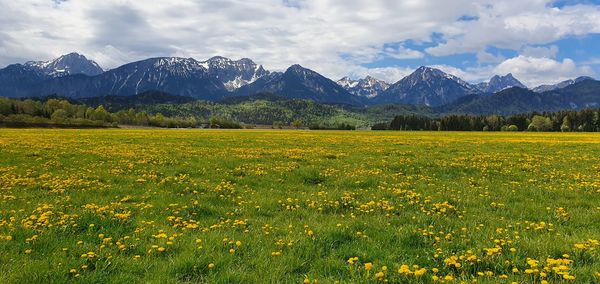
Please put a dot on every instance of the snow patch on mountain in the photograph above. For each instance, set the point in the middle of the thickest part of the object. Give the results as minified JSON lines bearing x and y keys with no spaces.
{"x":234,"y":73}
{"x":369,"y":87}
{"x":69,"y":64}
{"x":499,"y":83}
{"x":563,"y":84}
{"x":426,"y":86}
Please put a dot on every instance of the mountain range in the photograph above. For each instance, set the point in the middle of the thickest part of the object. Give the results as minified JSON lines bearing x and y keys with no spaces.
{"x":219,"y":78}
{"x":298,"y":82}
{"x":563,"y":84}
{"x":234,"y":73}
{"x":426,"y":86}
{"x":369,"y":87}
{"x":583,"y":94}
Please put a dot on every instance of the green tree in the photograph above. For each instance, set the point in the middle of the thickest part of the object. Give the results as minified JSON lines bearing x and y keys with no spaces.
{"x":59,"y":116}
{"x":159,"y":120}
{"x":29,"y":107}
{"x":100,"y":113}
{"x":296,"y":123}
{"x":596,"y":120}
{"x":540,"y":123}
{"x":213,"y":122}
{"x":493,"y":122}
{"x":277,"y":125}
{"x":5,"y":106}
{"x":80,"y":111}
{"x":142,"y":118}
{"x":566,"y":125}
{"x":50,"y":106}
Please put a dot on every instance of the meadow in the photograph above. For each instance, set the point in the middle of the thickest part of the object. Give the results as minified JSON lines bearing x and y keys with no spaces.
{"x":267,"y":206}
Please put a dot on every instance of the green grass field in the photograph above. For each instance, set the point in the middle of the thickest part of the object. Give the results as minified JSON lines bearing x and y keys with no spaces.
{"x":171,"y":206}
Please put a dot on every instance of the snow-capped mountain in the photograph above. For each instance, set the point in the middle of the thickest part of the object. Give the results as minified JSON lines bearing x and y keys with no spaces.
{"x":21,"y":80}
{"x":234,"y":73}
{"x":426,"y":86}
{"x":298,"y":82}
{"x":347,"y":83}
{"x":69,"y":64}
{"x":563,"y":84}
{"x":73,"y":75}
{"x":368,"y":87}
{"x":177,"y":76}
{"x":499,"y":83}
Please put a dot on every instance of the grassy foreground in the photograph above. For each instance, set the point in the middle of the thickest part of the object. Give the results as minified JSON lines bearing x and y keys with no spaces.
{"x":168,"y":206}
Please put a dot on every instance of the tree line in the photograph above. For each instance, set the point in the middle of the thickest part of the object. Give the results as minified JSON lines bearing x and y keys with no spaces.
{"x":62,"y":113}
{"x":586,"y":120}
{"x":59,"y":112}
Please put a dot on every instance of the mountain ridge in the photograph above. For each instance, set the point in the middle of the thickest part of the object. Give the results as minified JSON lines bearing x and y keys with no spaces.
{"x":427,"y":86}
{"x":298,"y":82}
{"x":368,"y":87}
{"x":234,"y":73}
{"x":68,"y":64}
{"x":219,"y":78}
{"x":498,"y":83}
{"x":584,"y":94}
{"x":560,"y":85}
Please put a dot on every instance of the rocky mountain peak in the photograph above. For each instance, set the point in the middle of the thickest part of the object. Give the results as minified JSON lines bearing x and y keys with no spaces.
{"x":68,"y":64}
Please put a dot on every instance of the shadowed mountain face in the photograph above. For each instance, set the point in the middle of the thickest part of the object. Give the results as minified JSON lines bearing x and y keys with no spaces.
{"x":234,"y":74}
{"x":368,"y":87}
{"x":75,"y":76}
{"x":563,"y":84}
{"x":585,"y":94}
{"x":301,"y":83}
{"x":69,"y":64}
{"x":426,"y":86}
{"x":178,"y":76}
{"x":17,"y":80}
{"x":499,"y":83}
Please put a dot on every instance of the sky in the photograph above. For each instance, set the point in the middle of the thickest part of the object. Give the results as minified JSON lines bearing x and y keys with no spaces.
{"x":538,"y":41}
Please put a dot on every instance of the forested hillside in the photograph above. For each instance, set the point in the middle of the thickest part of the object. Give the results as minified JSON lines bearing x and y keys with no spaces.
{"x":586,"y":120}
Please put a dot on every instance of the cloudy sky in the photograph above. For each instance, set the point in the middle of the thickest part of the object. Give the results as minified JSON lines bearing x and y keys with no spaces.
{"x":539,"y":41}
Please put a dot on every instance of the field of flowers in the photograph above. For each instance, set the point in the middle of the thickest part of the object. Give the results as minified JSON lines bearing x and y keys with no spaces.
{"x":171,"y":206}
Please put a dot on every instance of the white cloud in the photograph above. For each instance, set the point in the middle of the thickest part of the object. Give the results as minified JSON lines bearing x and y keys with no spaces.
{"x":473,"y":74}
{"x":402,"y":52}
{"x":273,"y":32}
{"x":592,"y":61}
{"x":531,"y":71}
{"x":333,"y":37}
{"x":515,"y":24}
{"x":540,"y":51}
{"x":486,"y":57}
{"x":534,"y":71}
{"x":387,"y":74}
